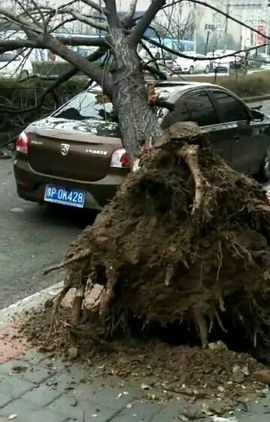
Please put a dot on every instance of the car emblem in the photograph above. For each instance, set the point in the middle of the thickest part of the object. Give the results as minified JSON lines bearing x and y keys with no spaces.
{"x":64,"y":149}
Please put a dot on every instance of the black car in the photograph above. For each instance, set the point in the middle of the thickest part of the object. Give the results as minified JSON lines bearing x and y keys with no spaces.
{"x":241,"y":135}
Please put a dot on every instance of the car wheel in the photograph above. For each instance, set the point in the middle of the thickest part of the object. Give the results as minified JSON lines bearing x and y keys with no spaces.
{"x":207,"y":69}
{"x":266,"y":166}
{"x":191,"y":70}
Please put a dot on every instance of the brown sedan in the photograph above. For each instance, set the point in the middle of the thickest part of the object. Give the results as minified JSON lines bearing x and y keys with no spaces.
{"x":75,"y":157}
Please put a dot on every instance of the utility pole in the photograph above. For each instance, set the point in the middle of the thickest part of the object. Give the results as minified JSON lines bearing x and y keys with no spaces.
{"x":267,"y":24}
{"x":100,"y":17}
{"x":195,"y":27}
{"x":227,"y":17}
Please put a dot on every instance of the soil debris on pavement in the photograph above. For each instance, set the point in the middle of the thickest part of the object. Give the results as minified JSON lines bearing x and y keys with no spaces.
{"x":181,"y":258}
{"x":217,"y":379}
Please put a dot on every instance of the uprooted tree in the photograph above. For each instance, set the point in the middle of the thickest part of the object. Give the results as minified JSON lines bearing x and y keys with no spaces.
{"x":186,"y":239}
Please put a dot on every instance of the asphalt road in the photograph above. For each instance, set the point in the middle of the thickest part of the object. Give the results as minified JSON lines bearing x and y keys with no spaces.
{"x":32,"y":237}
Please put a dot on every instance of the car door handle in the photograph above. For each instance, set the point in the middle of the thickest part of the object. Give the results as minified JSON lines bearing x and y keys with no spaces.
{"x":236,"y":138}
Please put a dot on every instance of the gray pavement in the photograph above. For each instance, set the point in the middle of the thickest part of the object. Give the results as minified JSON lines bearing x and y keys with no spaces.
{"x":32,"y":237}
{"x":35,"y":388}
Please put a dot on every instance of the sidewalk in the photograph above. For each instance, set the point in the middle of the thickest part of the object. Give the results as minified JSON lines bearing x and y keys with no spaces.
{"x":35,"y":387}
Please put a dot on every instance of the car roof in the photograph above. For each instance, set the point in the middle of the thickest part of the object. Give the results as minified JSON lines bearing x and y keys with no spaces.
{"x":167,"y":89}
{"x":183,"y":85}
{"x":170,"y":90}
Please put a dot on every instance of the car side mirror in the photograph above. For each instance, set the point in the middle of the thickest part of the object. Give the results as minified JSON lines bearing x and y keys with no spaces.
{"x":256,"y":114}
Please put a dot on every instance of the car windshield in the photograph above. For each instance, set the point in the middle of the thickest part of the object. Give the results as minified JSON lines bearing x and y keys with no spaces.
{"x":88,"y":105}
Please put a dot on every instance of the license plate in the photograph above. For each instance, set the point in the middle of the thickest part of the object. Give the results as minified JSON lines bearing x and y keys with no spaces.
{"x":64,"y":196}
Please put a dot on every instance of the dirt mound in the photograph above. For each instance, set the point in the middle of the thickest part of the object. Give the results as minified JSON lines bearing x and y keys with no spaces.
{"x":184,"y":242}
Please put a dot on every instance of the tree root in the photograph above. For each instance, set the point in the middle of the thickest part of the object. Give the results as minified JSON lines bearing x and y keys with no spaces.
{"x":77,"y":302}
{"x":78,"y":257}
{"x":189,"y":153}
{"x":161,"y":264}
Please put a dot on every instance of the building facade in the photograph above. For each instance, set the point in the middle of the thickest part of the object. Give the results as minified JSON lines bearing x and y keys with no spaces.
{"x":254,"y":13}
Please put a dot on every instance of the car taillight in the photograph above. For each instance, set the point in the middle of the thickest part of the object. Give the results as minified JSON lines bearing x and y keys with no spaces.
{"x":119,"y":158}
{"x":22,"y":143}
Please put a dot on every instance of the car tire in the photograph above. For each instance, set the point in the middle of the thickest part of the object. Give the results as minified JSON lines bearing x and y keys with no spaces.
{"x":207,"y":69}
{"x":266,"y":167}
{"x":191,"y":70}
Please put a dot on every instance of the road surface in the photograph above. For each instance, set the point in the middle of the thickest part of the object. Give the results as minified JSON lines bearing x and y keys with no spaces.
{"x":32,"y":237}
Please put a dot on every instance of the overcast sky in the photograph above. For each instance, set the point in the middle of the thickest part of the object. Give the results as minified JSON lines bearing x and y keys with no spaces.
{"x":142,"y":4}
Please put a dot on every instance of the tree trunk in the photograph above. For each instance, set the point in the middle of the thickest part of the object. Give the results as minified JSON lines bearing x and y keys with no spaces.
{"x":138,"y":120}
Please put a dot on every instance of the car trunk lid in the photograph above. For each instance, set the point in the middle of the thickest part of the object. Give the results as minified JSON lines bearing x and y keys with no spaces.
{"x":72,"y":149}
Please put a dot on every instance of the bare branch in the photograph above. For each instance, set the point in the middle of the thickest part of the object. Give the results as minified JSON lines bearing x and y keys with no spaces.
{"x":93,"y":70}
{"x":89,"y":21}
{"x":93,"y":5}
{"x":155,"y":72}
{"x":69,"y":74}
{"x":8,"y":45}
{"x":130,"y":14}
{"x":144,"y":22}
{"x":110,"y":12}
{"x":20,"y":20}
{"x":59,"y":81}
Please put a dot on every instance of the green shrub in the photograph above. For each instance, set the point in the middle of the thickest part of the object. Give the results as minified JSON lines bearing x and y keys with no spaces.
{"x":51,"y":68}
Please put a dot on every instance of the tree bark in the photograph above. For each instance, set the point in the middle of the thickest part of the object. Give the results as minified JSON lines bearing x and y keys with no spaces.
{"x":138,"y":121}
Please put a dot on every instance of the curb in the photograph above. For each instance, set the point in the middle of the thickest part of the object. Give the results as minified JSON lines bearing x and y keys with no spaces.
{"x":34,"y":301}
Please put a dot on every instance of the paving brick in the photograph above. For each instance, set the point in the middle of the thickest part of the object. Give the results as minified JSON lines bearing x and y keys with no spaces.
{"x":171,"y":413}
{"x":110,"y":396}
{"x":4,"y":400}
{"x":51,"y":389}
{"x":43,"y":395}
{"x":139,"y":412}
{"x":80,"y":410}
{"x":13,"y":387}
{"x":26,"y":371}
{"x":32,"y":356}
{"x":28,"y":412}
{"x":254,"y":418}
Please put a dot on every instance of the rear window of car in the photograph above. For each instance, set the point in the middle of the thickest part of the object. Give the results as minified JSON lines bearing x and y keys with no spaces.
{"x":88,"y":105}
